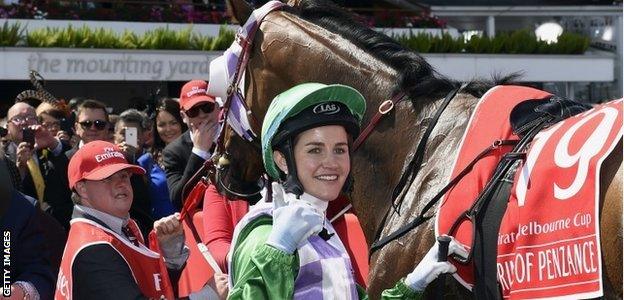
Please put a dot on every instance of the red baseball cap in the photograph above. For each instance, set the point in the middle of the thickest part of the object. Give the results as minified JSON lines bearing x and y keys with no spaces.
{"x":193,"y":92}
{"x":98,"y":160}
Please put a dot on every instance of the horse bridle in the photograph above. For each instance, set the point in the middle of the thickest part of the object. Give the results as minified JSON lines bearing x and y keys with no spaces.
{"x":244,"y":39}
{"x":410,"y":172}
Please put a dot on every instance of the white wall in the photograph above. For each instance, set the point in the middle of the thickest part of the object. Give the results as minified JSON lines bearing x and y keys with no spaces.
{"x":168,"y":65}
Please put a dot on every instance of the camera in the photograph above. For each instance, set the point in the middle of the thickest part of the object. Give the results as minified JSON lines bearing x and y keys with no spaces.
{"x":28,"y":136}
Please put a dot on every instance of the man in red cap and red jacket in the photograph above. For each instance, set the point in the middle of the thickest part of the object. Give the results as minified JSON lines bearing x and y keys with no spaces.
{"x":105,"y":256}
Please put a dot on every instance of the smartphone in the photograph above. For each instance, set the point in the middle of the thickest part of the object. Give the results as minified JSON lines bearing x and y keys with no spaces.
{"x":131,"y":137}
{"x":28,"y":136}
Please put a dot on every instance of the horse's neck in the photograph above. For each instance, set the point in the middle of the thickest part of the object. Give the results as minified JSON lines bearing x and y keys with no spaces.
{"x":388,"y":153}
{"x":293,"y":51}
{"x":441,"y":151}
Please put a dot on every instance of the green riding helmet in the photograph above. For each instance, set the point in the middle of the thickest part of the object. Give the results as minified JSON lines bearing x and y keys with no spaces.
{"x":306,"y":106}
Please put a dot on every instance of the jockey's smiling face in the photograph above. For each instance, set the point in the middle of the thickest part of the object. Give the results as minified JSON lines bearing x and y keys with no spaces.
{"x":322,"y":159}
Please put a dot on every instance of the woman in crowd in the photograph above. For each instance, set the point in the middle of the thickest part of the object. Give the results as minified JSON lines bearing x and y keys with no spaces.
{"x":168,"y":126}
{"x":288,"y":249}
{"x":51,"y":117}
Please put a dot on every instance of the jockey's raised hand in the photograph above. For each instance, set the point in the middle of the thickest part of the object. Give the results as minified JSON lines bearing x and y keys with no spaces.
{"x":430,"y":268}
{"x":294,"y":220}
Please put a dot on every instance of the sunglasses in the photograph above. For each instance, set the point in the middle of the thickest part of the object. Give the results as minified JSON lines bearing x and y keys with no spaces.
{"x":205,"y":107}
{"x":99,"y":124}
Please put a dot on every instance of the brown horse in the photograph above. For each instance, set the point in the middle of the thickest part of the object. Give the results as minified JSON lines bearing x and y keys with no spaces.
{"x":317,"y":42}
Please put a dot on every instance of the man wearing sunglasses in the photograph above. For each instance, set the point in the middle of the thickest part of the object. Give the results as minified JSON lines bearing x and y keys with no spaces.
{"x":39,"y":158}
{"x":91,"y":124}
{"x":186,"y":154}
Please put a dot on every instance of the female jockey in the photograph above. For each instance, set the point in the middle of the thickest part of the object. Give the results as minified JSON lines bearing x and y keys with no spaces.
{"x":288,"y":248}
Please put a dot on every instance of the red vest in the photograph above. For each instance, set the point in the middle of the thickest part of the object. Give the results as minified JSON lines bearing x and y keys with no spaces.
{"x":147,"y":267}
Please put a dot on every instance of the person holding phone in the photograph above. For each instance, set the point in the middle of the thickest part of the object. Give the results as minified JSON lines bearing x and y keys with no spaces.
{"x":288,"y":248}
{"x":129,"y":137}
{"x":54,"y":118}
{"x":39,"y":158}
{"x":187,"y":153}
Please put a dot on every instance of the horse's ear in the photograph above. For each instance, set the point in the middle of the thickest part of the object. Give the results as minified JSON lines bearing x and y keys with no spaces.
{"x":293,"y":3}
{"x":240,"y":10}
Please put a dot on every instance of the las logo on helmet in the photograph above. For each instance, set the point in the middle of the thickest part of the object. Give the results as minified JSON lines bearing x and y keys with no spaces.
{"x":326,"y":108}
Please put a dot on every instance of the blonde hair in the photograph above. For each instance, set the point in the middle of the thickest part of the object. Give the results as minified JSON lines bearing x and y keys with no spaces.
{"x":51,"y":109}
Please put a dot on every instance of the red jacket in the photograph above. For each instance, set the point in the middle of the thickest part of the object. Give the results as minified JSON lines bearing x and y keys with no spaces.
{"x":220,"y":216}
{"x":147,"y":267}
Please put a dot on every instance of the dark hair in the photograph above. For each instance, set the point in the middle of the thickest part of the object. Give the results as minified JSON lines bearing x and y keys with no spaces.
{"x":91,"y":104}
{"x":133,"y":116}
{"x":75,"y":102}
{"x":173,"y":107}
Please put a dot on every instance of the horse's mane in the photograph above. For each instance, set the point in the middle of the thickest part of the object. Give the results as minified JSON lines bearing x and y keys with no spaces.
{"x":417,"y":78}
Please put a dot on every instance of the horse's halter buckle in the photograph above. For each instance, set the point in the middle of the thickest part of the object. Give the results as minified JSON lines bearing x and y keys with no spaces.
{"x":386,"y":106}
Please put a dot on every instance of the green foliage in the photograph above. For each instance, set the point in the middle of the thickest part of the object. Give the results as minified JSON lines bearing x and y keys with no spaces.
{"x":70,"y":37}
{"x":224,"y":39}
{"x":159,"y":38}
{"x":517,"y":42}
{"x":10,"y":35}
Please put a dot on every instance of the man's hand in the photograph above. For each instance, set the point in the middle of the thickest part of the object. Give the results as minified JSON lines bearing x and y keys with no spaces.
{"x":129,"y":151}
{"x":17,"y":293}
{"x":219,"y":283}
{"x":168,"y":228}
{"x":24,"y":153}
{"x":204,"y":133}
{"x":62,"y":135}
{"x":43,"y":138}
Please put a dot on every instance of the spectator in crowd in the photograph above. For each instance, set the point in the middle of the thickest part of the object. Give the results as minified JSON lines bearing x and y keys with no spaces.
{"x":186,"y":154}
{"x":73,"y":107}
{"x":288,"y":248}
{"x":52,"y":117}
{"x":42,"y":165}
{"x":30,"y":274}
{"x":148,"y":132}
{"x":105,"y":256}
{"x":91,"y":124}
{"x":168,"y":126}
{"x":132,"y":121}
{"x":112,"y":119}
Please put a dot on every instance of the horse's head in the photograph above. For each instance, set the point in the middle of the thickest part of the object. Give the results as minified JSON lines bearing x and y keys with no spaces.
{"x":240,"y":169}
{"x":313,"y":41}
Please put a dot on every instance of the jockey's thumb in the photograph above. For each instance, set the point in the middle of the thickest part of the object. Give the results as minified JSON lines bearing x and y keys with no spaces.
{"x":278,"y":195}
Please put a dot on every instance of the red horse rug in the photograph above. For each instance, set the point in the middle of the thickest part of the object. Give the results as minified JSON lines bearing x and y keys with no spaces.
{"x":549,"y":239}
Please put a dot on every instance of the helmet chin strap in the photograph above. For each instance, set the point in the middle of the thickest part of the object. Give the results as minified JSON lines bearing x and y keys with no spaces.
{"x":291,"y":184}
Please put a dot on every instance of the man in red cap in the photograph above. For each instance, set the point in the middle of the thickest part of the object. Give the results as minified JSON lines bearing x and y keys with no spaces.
{"x":105,"y":256}
{"x":186,"y":154}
